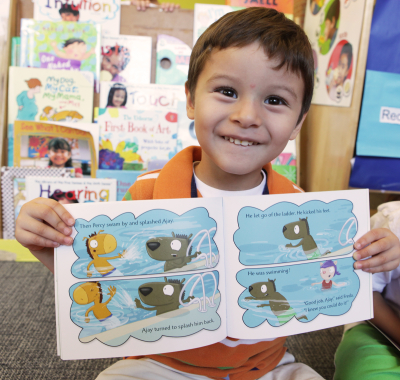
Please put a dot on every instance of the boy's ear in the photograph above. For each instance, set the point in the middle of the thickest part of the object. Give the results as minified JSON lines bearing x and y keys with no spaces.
{"x":297,"y":129}
{"x":189,"y":104}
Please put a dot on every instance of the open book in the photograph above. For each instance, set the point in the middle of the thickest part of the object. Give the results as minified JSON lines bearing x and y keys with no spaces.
{"x":147,"y":277}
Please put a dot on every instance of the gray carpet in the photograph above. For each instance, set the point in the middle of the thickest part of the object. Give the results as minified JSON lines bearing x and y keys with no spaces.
{"x":28,"y":332}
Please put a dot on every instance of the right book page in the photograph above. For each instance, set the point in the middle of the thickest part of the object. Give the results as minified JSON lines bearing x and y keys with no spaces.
{"x":289,"y":263}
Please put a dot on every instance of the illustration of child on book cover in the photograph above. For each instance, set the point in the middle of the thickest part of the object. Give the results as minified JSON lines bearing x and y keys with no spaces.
{"x":60,"y":45}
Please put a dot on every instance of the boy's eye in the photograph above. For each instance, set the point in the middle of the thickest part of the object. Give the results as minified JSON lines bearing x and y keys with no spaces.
{"x":274,"y":101}
{"x":227,"y":92}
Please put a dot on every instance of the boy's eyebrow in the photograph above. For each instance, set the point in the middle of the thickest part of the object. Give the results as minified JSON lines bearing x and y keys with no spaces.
{"x":220,"y":76}
{"x":286,"y":88}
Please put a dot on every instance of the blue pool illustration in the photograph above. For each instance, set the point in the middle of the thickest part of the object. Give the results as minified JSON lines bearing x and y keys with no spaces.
{"x":279,"y":294}
{"x":286,"y":232}
{"x":157,"y":241}
{"x":146,"y":309}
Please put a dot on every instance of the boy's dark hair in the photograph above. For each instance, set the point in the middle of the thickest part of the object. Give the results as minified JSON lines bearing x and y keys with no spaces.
{"x":59,"y":143}
{"x":73,"y":40}
{"x":348,"y":50}
{"x":121,"y":50}
{"x":115,"y":87}
{"x":69,"y":8}
{"x":333,"y":11}
{"x":279,"y":37}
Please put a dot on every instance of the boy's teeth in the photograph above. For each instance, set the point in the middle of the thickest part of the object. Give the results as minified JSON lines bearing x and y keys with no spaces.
{"x":239,"y":142}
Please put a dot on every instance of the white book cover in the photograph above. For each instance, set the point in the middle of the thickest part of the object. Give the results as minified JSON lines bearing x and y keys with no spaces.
{"x":106,"y":13}
{"x":334,"y":29}
{"x":71,"y":190}
{"x":157,"y":276}
{"x":126,"y":59}
{"x":141,"y":96}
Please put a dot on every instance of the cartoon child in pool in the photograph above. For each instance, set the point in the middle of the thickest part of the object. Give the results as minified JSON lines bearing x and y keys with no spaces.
{"x":100,"y":244}
{"x":328,"y":270}
{"x":90,"y":292}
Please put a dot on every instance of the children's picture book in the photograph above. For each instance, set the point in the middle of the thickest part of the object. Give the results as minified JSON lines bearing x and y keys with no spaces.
{"x":157,"y":276}
{"x":72,"y":190}
{"x":15,"y":51}
{"x":48,"y":95}
{"x":126,"y":59}
{"x":61,"y":45}
{"x":125,"y":179}
{"x":130,"y":139}
{"x":13,"y":192}
{"x":106,"y":13}
{"x":186,"y":131}
{"x":59,"y":145}
{"x":173,"y":57}
{"x":284,"y":6}
{"x":141,"y":96}
{"x":334,"y":29}
{"x":206,"y":14}
{"x":286,"y":162}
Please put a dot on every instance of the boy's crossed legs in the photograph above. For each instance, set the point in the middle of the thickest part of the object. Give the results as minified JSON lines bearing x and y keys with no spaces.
{"x":147,"y":369}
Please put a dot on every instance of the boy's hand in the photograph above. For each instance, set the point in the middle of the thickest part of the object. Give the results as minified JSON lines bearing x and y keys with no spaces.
{"x":42,"y":225}
{"x":384,"y":248}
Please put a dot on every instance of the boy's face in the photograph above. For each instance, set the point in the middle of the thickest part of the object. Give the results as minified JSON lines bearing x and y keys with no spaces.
{"x":343,"y":69}
{"x":245,"y":111}
{"x":75,"y":50}
{"x":67,"y":16}
{"x":112,"y":63}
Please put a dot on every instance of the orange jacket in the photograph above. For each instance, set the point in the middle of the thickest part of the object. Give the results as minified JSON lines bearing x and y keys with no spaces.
{"x":231,"y":359}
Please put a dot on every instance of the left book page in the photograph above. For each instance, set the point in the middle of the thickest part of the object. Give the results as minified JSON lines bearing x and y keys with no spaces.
{"x":141,"y":277}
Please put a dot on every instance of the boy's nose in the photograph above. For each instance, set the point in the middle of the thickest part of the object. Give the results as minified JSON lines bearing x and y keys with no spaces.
{"x":247,"y":114}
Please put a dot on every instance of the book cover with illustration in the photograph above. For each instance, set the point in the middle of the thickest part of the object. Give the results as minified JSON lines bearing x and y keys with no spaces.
{"x":61,"y":45}
{"x":48,"y":95}
{"x":57,"y":145}
{"x":173,"y":57}
{"x":71,"y":190}
{"x":13,"y":192}
{"x":125,"y":179}
{"x":141,"y":96}
{"x":106,"y":13}
{"x":155,"y":276}
{"x":206,"y":14}
{"x":286,"y":162}
{"x":126,"y":59}
{"x":284,"y":6}
{"x":130,"y":139}
{"x":334,"y":29}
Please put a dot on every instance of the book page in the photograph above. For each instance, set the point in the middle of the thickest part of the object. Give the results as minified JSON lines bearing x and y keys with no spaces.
{"x":291,"y":265}
{"x":141,"y":277}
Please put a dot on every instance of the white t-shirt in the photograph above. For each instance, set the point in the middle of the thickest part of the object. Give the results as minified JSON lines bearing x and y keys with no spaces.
{"x":390,"y":282}
{"x":210,"y":192}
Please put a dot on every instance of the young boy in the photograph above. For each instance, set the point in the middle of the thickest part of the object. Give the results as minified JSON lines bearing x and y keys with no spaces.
{"x":249,"y":89}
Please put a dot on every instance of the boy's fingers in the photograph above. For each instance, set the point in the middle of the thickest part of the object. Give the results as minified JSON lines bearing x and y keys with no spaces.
{"x":371,"y":236}
{"x":375,"y":248}
{"x":58,"y":208}
{"x":34,"y":242}
{"x":41,"y":233}
{"x":376,"y":264}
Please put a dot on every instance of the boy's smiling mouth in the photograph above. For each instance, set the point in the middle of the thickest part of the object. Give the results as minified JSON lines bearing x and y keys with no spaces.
{"x":240,"y":142}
